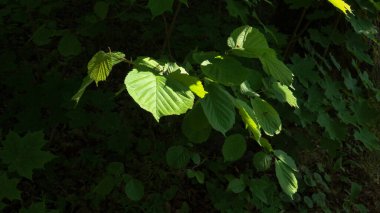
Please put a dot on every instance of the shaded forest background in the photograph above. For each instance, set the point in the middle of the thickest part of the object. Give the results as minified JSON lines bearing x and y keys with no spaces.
{"x":59,"y":156}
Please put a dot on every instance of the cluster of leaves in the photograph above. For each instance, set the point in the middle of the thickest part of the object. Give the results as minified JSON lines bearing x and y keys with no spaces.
{"x":246,"y":111}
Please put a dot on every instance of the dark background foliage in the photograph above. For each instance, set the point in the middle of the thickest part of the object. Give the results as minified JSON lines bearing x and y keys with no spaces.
{"x":107,"y":139}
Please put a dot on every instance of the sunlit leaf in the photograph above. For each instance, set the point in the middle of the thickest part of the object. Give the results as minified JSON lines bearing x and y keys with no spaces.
{"x":341,"y":5}
{"x":249,"y":118}
{"x":100,"y":65}
{"x":158,"y":94}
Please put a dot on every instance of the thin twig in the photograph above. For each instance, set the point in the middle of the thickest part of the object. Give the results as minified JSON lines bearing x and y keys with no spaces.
{"x":290,"y":44}
{"x":170,"y":30}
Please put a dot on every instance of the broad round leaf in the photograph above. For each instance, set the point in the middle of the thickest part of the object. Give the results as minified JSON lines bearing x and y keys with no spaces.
{"x":158,"y":94}
{"x":236,"y":185}
{"x":234,"y":147}
{"x":134,"y":189}
{"x":101,"y":9}
{"x":177,"y":157}
{"x":69,"y":45}
{"x":247,"y":42}
{"x":195,"y":125}
{"x":219,"y":109}
{"x":267,"y":116}
{"x":262,"y":161}
{"x":225,"y":70}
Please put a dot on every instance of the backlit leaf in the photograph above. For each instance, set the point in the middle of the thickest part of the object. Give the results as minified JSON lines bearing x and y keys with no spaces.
{"x":158,"y":94}
{"x":191,"y":82}
{"x":100,"y":65}
{"x":249,"y":118}
{"x":341,"y":5}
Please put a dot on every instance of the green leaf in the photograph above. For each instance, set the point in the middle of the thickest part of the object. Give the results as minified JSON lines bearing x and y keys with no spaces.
{"x":134,"y":189}
{"x":259,"y":188}
{"x":219,"y":109}
{"x":286,"y":178}
{"x":177,"y":157}
{"x":200,"y":176}
{"x":285,"y":158}
{"x":105,"y":186}
{"x":148,"y":64}
{"x":247,"y":42}
{"x":234,"y":147}
{"x":195,"y":125}
{"x":284,"y":94}
{"x":308,"y":201}
{"x":225,"y":70}
{"x":85,"y":83}
{"x":236,"y":185}
{"x":363,"y":26}
{"x":116,"y":169}
{"x":69,"y":45}
{"x":201,"y":56}
{"x":191,"y":82}
{"x":23,"y":154}
{"x":8,"y":188}
{"x":237,"y":9}
{"x":267,"y":116}
{"x":158,"y":94}
{"x":101,"y":9}
{"x":43,"y":35}
{"x":276,"y":68}
{"x":157,"y":7}
{"x":335,"y":129}
{"x":368,"y":139}
{"x":249,"y":118}
{"x":262,"y":161}
{"x":100,"y":65}
{"x":355,"y":191}
{"x":341,"y":5}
